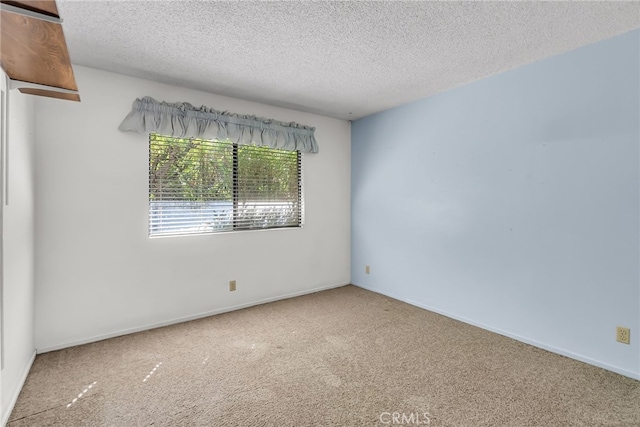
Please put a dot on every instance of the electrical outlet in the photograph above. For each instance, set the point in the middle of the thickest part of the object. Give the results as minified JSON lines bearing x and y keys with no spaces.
{"x":232,"y":285}
{"x":367,"y":269}
{"x":622,"y":335}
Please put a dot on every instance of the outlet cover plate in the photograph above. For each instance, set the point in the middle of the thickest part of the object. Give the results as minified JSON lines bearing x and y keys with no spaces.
{"x":623,"y":335}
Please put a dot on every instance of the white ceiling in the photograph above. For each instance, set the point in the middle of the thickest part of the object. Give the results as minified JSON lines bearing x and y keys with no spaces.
{"x":340,"y":59}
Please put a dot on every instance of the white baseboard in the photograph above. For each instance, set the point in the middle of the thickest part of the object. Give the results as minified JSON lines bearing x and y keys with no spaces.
{"x":562,"y":352}
{"x":186,"y":318}
{"x":16,"y":393}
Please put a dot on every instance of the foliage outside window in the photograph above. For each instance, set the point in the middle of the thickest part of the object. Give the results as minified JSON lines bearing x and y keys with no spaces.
{"x":198,"y":186}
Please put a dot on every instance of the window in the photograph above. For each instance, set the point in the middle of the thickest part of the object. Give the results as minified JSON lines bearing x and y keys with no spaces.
{"x":198,"y":186}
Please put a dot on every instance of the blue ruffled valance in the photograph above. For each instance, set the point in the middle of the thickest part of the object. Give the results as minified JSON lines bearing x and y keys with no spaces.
{"x":182,"y":120}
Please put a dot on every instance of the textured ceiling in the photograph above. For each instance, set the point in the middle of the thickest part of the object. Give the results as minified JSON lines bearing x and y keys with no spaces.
{"x":340,"y":59}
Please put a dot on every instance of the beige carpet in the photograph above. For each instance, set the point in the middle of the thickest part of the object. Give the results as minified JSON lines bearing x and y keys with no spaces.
{"x":344,"y":357}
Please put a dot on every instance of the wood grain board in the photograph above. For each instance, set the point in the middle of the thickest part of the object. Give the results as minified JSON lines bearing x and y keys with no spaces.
{"x":51,"y":94}
{"x":35,"y":51}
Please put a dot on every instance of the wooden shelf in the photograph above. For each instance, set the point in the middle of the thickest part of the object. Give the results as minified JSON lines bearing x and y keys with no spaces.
{"x":47,"y":7}
{"x":33,"y":50}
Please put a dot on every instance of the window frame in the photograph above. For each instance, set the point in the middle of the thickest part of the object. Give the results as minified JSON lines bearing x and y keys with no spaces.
{"x":235,"y":194}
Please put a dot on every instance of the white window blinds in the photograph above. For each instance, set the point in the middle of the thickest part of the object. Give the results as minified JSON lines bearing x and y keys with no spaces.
{"x":198,"y":186}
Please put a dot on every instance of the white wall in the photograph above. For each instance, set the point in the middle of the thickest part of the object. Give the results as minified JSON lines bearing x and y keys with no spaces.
{"x":513,"y":203}
{"x":18,"y":251}
{"x":99,"y":274}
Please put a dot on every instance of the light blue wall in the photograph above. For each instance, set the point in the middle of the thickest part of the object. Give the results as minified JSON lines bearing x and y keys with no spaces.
{"x":513,"y":203}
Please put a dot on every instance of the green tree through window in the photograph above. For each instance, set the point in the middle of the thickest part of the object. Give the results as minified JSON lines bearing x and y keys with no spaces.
{"x":198,"y":186}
